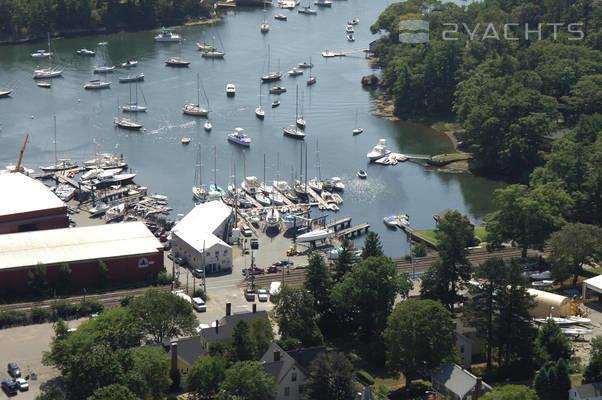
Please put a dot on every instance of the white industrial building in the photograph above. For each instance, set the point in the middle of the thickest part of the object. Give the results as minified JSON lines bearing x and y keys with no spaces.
{"x":201,"y":237}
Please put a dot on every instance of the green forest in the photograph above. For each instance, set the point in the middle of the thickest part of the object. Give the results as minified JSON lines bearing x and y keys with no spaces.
{"x":507,"y":94}
{"x":33,"y":18}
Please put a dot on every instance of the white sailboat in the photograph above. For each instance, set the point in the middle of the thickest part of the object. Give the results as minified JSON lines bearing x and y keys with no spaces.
{"x":133,"y":106}
{"x":316,"y":182}
{"x":301,"y":123}
{"x":312,"y":79}
{"x":59,"y":164}
{"x":211,"y":51}
{"x":50,"y":72}
{"x":265,"y":27}
{"x":271,"y":76}
{"x":196,"y":109}
{"x":318,"y":234}
{"x":199,"y":192}
{"x":357,"y":130}
{"x":259,"y":112}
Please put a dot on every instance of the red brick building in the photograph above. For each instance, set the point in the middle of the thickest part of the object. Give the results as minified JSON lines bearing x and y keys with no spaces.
{"x":129,"y":250}
{"x":28,"y":205}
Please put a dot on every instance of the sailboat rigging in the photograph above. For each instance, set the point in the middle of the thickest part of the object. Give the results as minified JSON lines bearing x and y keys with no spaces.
{"x":259,"y":113}
{"x":50,"y":72}
{"x":196,"y":109}
{"x":271,"y":76}
{"x":133,"y":106}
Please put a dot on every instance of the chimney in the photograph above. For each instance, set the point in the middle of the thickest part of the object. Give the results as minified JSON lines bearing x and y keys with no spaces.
{"x":174,"y":356}
{"x":254,"y":308}
{"x":216,"y":326}
{"x":276,"y":355}
{"x":228,"y":309}
{"x":478,"y":388}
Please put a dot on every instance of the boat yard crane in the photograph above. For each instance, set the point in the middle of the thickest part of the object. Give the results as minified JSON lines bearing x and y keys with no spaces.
{"x":18,"y":167}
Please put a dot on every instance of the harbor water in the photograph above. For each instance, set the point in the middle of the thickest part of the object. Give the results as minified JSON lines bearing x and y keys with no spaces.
{"x":165,"y":165}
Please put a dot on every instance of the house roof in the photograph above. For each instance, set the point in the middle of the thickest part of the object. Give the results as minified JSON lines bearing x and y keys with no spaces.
{"x":199,"y":226}
{"x":226,"y":326}
{"x":288,"y":359}
{"x":304,"y":357}
{"x":189,"y":349}
{"x":21,"y":194}
{"x":456,"y":379}
{"x":589,"y":390}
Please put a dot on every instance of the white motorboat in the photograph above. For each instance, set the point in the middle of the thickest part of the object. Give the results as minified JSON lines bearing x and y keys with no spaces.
{"x":99,"y":208}
{"x":167,"y":37}
{"x":230,"y":89}
{"x":280,"y":17}
{"x":323,"y":3}
{"x":239,"y":138}
{"x":251,"y":185}
{"x":301,"y":123}
{"x":132,"y":78}
{"x":104,"y":69}
{"x":186,"y":140}
{"x":277,"y":89}
{"x":315,"y":184}
{"x":86,"y":52}
{"x":127,"y":124}
{"x":213,"y":54}
{"x":107,"y":173}
{"x":5,"y":93}
{"x":576,"y":331}
{"x":282,"y":186}
{"x":349,"y":29}
{"x":390,"y":221}
{"x":272,"y":219}
{"x":115,"y":179}
{"x":379,"y":151}
{"x":539,"y":275}
{"x":295,"y":72}
{"x":205,"y":47}
{"x":353,"y":22}
{"x":91,"y":174}
{"x":362,"y":174}
{"x":357,"y":131}
{"x":293,"y":132}
{"x":319,"y":234}
{"x":65,"y":192}
{"x":350,"y":37}
{"x":207,"y":126}
{"x":97,"y":84}
{"x":176,"y":62}
{"x":262,"y":199}
{"x":276,"y":198}
{"x":129,"y":64}
{"x":308,"y":11}
{"x":305,"y":64}
{"x":338,"y":183}
{"x":41,"y":54}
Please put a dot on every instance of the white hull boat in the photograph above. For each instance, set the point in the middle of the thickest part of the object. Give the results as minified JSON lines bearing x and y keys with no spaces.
{"x":239,"y":138}
{"x":273,"y":219}
{"x":98,"y":209}
{"x":96,"y":85}
{"x":251,"y":185}
{"x":133,"y":108}
{"x":262,"y":199}
{"x":47,"y":73}
{"x":379,"y":151}
{"x":195,"y":110}
{"x":282,"y":186}
{"x":207,"y":126}
{"x":103,"y":69}
{"x":319,"y":234}
{"x":132,"y":78}
{"x":167,"y":37}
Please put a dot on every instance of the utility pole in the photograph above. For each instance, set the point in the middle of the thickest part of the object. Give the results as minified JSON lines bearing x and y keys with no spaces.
{"x":173,"y":274}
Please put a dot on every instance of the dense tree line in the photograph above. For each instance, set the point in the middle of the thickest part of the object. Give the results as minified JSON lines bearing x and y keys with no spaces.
{"x":33,"y":18}
{"x":507,"y":94}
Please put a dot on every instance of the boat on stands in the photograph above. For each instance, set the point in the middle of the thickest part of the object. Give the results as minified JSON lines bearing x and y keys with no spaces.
{"x":166,"y":36}
{"x":272,"y":219}
{"x":115,"y":212}
{"x":97,"y":84}
{"x":98,"y":209}
{"x":318,"y":234}
{"x":379,"y":151}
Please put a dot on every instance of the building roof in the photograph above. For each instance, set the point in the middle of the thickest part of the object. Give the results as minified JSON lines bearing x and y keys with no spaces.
{"x":301,"y":359}
{"x":199,"y":227}
{"x":456,"y":379}
{"x":304,"y":357}
{"x":66,"y":245}
{"x":589,"y":390}
{"x":189,"y":349}
{"x":226,"y":327}
{"x":21,"y":194}
{"x":594,"y":283}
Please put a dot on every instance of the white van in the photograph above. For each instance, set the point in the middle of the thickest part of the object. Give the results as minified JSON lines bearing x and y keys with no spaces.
{"x":180,"y":293}
{"x":199,"y":304}
{"x":274,"y":288}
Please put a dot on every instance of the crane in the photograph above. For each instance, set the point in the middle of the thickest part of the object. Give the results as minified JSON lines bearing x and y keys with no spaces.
{"x":18,"y":168}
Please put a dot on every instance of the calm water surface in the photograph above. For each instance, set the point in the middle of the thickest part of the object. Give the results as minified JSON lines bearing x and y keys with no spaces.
{"x":168,"y":167}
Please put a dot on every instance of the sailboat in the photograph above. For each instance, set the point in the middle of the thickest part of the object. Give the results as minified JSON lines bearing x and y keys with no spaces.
{"x":292,"y":131}
{"x":259,"y":113}
{"x":316,"y":182}
{"x":196,"y":109}
{"x":46,"y":73}
{"x":299,"y":118}
{"x":357,"y":130}
{"x":215,"y":192}
{"x":59,"y":164}
{"x":271,"y":76}
{"x":299,"y":186}
{"x":211,"y":51}
{"x":126,"y":123}
{"x":199,"y":192}
{"x":133,"y":106}
{"x":312,"y":79}
{"x":207,"y":126}
{"x":265,"y":27}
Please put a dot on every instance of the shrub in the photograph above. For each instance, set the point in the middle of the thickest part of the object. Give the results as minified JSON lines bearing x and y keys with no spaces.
{"x":407,"y":257}
{"x":175,"y":377}
{"x":126,"y":300}
{"x":89,"y":306}
{"x":364,"y":377}
{"x":199,"y":293}
{"x":39,"y":314}
{"x":63,"y":309}
{"x":163,"y":278}
{"x":419,"y":250}
{"x":12,"y":317}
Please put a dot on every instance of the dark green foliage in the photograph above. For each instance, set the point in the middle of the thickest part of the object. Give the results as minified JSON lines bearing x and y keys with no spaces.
{"x":205,"y":376}
{"x":102,"y":273}
{"x":551,"y":344}
{"x":246,"y":380}
{"x":289,"y":343}
{"x":294,"y":312}
{"x":372,"y":246}
{"x":511,"y":392}
{"x":90,"y":306}
{"x":149,"y":366}
{"x":163,"y":278}
{"x":593,"y":371}
{"x":199,"y":293}
{"x":344,"y":260}
{"x":12,"y":317}
{"x":318,"y":282}
{"x":364,"y":377}
{"x":63,"y":281}
{"x":330,"y":378}
{"x":39,"y":314}
{"x":37,"y":280}
{"x":243,"y":344}
{"x":552,"y":382}
{"x":113,"y":392}
{"x":419,"y":250}
{"x":176,"y":378}
{"x":53,"y":392}
{"x":263,"y":336}
{"x":572,"y":247}
{"x":126,"y":300}
{"x":63,"y":308}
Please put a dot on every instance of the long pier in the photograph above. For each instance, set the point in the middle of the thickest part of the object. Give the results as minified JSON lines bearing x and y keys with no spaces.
{"x":354,"y":230}
{"x":321,"y":202}
{"x":342,"y":223}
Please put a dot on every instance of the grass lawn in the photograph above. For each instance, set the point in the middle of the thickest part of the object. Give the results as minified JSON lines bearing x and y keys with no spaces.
{"x":480,"y":233}
{"x":446,"y":126}
{"x":452,"y":157}
{"x":428,"y":234}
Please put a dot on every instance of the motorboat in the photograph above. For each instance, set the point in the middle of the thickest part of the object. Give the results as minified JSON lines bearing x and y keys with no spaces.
{"x":307,"y":10}
{"x":275,"y":103}
{"x":379,"y":151}
{"x":106,"y":161}
{"x":259,"y":113}
{"x":114,"y":179}
{"x":262,"y":199}
{"x":311,"y":80}
{"x":104,"y":69}
{"x":133,"y":107}
{"x":127,"y":124}
{"x":272,"y":219}
{"x":167,"y":37}
{"x":44,"y":84}
{"x":251,"y":185}
{"x":323,"y":3}
{"x":102,"y":43}
{"x":131,"y":78}
{"x":186,"y":140}
{"x":362,"y":174}
{"x":265,"y":27}
{"x":282,"y":186}
{"x":301,"y":123}
{"x":272,"y":77}
{"x":208,"y":126}
{"x":330,"y":54}
{"x":305,"y":64}
{"x":295,"y":72}
{"x":349,"y":29}
{"x":176,"y":62}
{"x":86,"y":52}
{"x":98,"y":209}
{"x":318,"y":234}
{"x":239,"y":138}
{"x":280,"y":17}
{"x":213,"y":54}
{"x":97,"y":84}
{"x":205,"y":47}
{"x":41,"y":54}
{"x":287,"y":4}
{"x":350,"y":37}
{"x":315,"y":184}
{"x":293,"y":132}
{"x":91,"y":174}
{"x":230,"y":89}
{"x":576,"y":331}
{"x":5,"y":93}
{"x":277,"y":89}
{"x":353,"y":22}
{"x":129,"y":64}
{"x":357,"y":131}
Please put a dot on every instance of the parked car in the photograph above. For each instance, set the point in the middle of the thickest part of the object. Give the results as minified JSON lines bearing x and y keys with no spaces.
{"x":9,"y":387}
{"x":167,"y":246}
{"x":250,"y":294}
{"x":199,"y":304}
{"x":197,"y":272}
{"x":245,"y":230}
{"x":22,"y":384}
{"x":254,"y":270}
{"x":171,"y":256}
{"x":131,"y":218}
{"x":283,"y":263}
{"x":181,"y":262}
{"x":13,"y":370}
{"x":272,"y":269}
{"x":262,"y":295}
{"x":163,"y":238}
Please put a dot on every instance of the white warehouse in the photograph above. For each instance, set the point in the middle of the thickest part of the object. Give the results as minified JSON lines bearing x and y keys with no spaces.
{"x":205,"y":228}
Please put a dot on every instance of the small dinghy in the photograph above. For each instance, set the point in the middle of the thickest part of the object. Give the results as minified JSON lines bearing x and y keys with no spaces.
{"x":362,"y":174}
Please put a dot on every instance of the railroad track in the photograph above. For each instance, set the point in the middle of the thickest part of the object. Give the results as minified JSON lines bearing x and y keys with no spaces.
{"x":109,"y":299}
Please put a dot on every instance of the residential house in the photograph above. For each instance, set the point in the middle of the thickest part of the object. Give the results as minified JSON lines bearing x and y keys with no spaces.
{"x":468,"y":344}
{"x":457,"y":383}
{"x":290,"y":369}
{"x":183,"y":353}
{"x":591,"y":391}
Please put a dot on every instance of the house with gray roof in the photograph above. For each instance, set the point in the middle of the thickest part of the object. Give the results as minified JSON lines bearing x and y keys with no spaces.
{"x":290,"y":369}
{"x":223,"y":329}
{"x":590,"y":391}
{"x":457,"y":383}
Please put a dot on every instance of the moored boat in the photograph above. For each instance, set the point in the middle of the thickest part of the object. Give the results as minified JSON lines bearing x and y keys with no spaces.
{"x":85,"y":52}
{"x":293,"y":132}
{"x":104,"y":69}
{"x":131,"y":78}
{"x":127,"y":124}
{"x":167,"y":37}
{"x":176,"y":62}
{"x":129,"y":64}
{"x":379,"y":151}
{"x":277,"y":89}
{"x":97,"y":84}
{"x":362,"y":174}
{"x":239,"y":138}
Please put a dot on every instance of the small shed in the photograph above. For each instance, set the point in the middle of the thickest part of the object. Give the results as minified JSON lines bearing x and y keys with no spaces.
{"x":547,"y":303}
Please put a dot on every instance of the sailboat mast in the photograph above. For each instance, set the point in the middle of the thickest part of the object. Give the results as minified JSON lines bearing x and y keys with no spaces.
{"x":264,"y":170}
{"x":268,"y":59}
{"x":198,"y":94}
{"x":297,"y":104}
{"x":318,"y":161}
{"x":200,"y":167}
{"x":215,"y":166}
{"x":306,"y":168}
{"x":56,"y":161}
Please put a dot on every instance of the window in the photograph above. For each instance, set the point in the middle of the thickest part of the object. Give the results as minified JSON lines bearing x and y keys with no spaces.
{"x":225,"y":252}
{"x":294,"y":376}
{"x":287,"y":391}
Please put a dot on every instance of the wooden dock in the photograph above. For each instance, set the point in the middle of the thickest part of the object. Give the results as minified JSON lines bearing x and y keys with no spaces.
{"x":353,"y":231}
{"x":340,"y":224}
{"x":286,"y":199}
{"x":255,"y":203}
{"x":321,"y":203}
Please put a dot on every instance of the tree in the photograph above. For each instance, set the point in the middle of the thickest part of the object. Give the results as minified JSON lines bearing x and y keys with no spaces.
{"x":419,"y":250}
{"x":205,"y":376}
{"x":150,"y":364}
{"x":552,"y":382}
{"x":481,"y":307}
{"x":344,"y":260}
{"x":330,"y":378}
{"x":262,"y":335}
{"x":53,"y":392}
{"x":551,"y":344}
{"x":511,"y":392}
{"x":372,"y":246}
{"x":163,"y":315}
{"x":367,"y":293}
{"x":593,"y":371}
{"x":113,"y":392}
{"x":318,"y":282}
{"x":63,"y":282}
{"x":244,"y":347}
{"x":37,"y":279}
{"x":294,"y":312}
{"x":420,"y":335}
{"x":102,"y":272}
{"x":245,"y":380}
{"x":573,"y":246}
